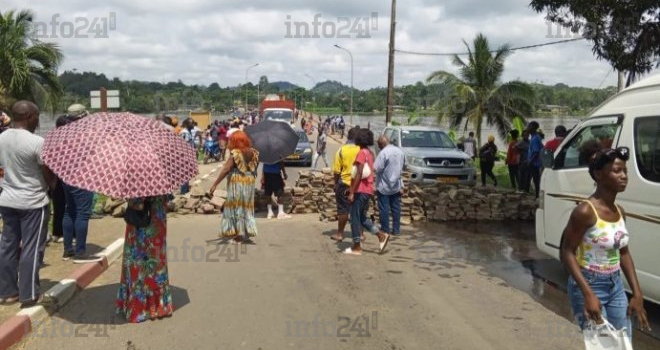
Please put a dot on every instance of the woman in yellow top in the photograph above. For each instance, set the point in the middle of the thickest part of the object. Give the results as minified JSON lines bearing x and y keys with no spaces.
{"x":595,"y":248}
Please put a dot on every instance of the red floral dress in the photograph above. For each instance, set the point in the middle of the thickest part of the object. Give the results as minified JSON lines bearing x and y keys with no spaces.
{"x":144,"y":291}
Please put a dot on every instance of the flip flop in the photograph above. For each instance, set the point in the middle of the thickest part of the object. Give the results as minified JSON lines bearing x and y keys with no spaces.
{"x":334,"y":238}
{"x":350,"y":251}
{"x":383,"y":244}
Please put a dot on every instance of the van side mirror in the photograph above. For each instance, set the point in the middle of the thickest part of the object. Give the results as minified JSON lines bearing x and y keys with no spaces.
{"x":547,"y":158}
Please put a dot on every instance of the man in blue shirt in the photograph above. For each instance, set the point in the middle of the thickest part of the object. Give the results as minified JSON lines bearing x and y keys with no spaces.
{"x":273,"y":182}
{"x":388,"y":168}
{"x":534,"y":155}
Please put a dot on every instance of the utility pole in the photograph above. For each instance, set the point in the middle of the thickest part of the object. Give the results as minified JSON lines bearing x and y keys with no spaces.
{"x":390,"y":69}
{"x":622,"y":81}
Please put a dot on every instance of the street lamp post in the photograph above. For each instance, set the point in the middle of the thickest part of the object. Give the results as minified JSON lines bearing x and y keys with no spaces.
{"x":246,"y":80}
{"x":351,"y":55}
{"x":313,"y":97}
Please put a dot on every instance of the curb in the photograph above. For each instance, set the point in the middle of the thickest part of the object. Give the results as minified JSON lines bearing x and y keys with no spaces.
{"x":19,"y":326}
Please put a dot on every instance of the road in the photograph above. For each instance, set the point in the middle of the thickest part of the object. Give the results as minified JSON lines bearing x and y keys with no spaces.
{"x":294,"y":290}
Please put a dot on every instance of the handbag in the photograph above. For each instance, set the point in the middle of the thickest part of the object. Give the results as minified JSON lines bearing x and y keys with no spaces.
{"x":366,"y":171}
{"x":605,"y":337}
{"x":139,"y":218}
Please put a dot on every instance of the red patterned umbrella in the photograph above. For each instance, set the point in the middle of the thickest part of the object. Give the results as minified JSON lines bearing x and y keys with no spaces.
{"x":121,"y":155}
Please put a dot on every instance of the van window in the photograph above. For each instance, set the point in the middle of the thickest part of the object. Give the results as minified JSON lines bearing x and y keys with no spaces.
{"x":647,"y":147}
{"x":570,"y":154}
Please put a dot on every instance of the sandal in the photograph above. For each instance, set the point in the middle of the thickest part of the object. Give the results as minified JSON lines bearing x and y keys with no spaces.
{"x":350,"y":251}
{"x":9,"y":300}
{"x":334,"y":238}
{"x":383,"y":244}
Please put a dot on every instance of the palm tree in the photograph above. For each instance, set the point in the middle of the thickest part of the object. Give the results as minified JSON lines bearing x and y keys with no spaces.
{"x":28,"y":67}
{"x":478,"y":94}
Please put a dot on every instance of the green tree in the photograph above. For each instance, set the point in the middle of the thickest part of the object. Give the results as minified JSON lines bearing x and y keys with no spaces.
{"x":478,"y":93}
{"x":28,"y":67}
{"x":625,"y":33}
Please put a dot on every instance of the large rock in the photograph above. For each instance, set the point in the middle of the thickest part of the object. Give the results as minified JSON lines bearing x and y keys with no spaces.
{"x":112,"y":204}
{"x":120,"y":210}
{"x":197,"y":191}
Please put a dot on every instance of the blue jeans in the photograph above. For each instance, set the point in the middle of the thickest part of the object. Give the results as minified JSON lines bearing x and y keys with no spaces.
{"x":609,"y":290}
{"x":76,"y":218}
{"x":185,"y":188}
{"x":359,"y":217}
{"x":390,"y":204}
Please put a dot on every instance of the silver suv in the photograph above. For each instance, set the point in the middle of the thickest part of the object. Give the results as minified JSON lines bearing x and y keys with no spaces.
{"x":431,"y":156}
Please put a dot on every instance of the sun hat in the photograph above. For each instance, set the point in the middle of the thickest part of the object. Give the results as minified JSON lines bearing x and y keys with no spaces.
{"x":77,"y":110}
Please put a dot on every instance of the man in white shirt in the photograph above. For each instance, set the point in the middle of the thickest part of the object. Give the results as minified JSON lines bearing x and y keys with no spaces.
{"x":24,"y":207}
{"x":470,"y":145}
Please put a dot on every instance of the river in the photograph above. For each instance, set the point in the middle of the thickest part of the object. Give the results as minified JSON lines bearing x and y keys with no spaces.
{"x":377,"y":123}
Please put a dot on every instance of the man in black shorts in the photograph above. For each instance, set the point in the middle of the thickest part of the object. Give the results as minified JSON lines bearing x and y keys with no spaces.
{"x":273,"y":181}
{"x":342,"y":165}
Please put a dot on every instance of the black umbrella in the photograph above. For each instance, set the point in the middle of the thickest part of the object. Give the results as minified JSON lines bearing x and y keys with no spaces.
{"x":274,"y":140}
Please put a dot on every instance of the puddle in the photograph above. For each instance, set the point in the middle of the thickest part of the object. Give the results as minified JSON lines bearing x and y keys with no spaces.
{"x":508,"y":251}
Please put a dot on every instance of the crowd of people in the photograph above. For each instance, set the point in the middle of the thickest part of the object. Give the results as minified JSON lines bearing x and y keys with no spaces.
{"x":144,"y":293}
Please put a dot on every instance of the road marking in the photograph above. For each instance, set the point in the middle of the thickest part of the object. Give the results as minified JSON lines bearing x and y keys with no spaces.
{"x":206,"y":176}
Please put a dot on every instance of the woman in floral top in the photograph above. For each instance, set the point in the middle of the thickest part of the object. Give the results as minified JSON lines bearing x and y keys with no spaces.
{"x":595,"y":248}
{"x":144,"y":291}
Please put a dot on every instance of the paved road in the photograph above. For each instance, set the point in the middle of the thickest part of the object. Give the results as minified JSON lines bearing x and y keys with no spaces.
{"x":293,"y":290}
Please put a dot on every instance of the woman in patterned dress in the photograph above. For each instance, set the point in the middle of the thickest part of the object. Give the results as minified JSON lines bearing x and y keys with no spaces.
{"x":240,"y":168}
{"x":144,"y":291}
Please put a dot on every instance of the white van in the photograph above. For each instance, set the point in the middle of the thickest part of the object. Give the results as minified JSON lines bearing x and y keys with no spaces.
{"x":632,"y":119}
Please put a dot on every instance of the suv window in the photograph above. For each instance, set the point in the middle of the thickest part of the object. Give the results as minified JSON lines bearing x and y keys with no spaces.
{"x":647,"y":147}
{"x":570,"y":156}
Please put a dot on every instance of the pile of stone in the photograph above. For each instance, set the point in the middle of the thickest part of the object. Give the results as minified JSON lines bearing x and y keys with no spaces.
{"x":195,"y":202}
{"x":309,"y":191}
{"x":261,"y":202}
{"x":451,"y":202}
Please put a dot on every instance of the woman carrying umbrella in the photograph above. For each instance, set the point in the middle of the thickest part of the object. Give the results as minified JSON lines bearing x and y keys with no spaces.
{"x":238,"y":220}
{"x":144,"y":169}
{"x":144,"y":291}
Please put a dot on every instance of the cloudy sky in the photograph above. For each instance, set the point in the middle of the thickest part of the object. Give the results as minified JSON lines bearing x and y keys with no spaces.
{"x":206,"y":41}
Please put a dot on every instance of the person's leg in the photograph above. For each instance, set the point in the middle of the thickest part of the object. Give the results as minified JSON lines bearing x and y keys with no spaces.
{"x":59,"y":205}
{"x":616,"y":308}
{"x":83,"y":199}
{"x":491,"y":165}
{"x":524,"y":177}
{"x":315,"y":160}
{"x":10,"y":241}
{"x":68,"y":220}
{"x":280,"y":205}
{"x":513,"y":173}
{"x":384,"y":211}
{"x":482,"y":167}
{"x":536,"y":176}
{"x":343,"y":209}
{"x":395,"y":204}
{"x":356,"y":224}
{"x":325,"y":159}
{"x":34,"y":227}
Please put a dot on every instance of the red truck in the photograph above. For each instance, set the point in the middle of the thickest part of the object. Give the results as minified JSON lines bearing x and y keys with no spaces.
{"x":276,"y":107}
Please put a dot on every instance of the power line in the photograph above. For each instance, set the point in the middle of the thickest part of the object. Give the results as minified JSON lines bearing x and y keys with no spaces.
{"x":493,"y":51}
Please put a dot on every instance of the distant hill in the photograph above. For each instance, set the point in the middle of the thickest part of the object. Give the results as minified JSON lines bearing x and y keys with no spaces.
{"x":330,"y":87}
{"x":284,"y":85}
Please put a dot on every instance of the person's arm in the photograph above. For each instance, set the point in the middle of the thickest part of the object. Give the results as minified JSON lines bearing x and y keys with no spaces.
{"x":229,"y":163}
{"x":355,"y":182}
{"x":379,"y":164}
{"x":581,"y":219}
{"x":49,"y":177}
{"x":636,"y":303}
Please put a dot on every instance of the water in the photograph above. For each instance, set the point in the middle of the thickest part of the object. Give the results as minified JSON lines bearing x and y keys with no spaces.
{"x":377,"y":124}
{"x":547,"y":124}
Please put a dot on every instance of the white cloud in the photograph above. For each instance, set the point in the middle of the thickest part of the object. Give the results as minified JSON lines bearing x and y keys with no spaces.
{"x":206,"y":41}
